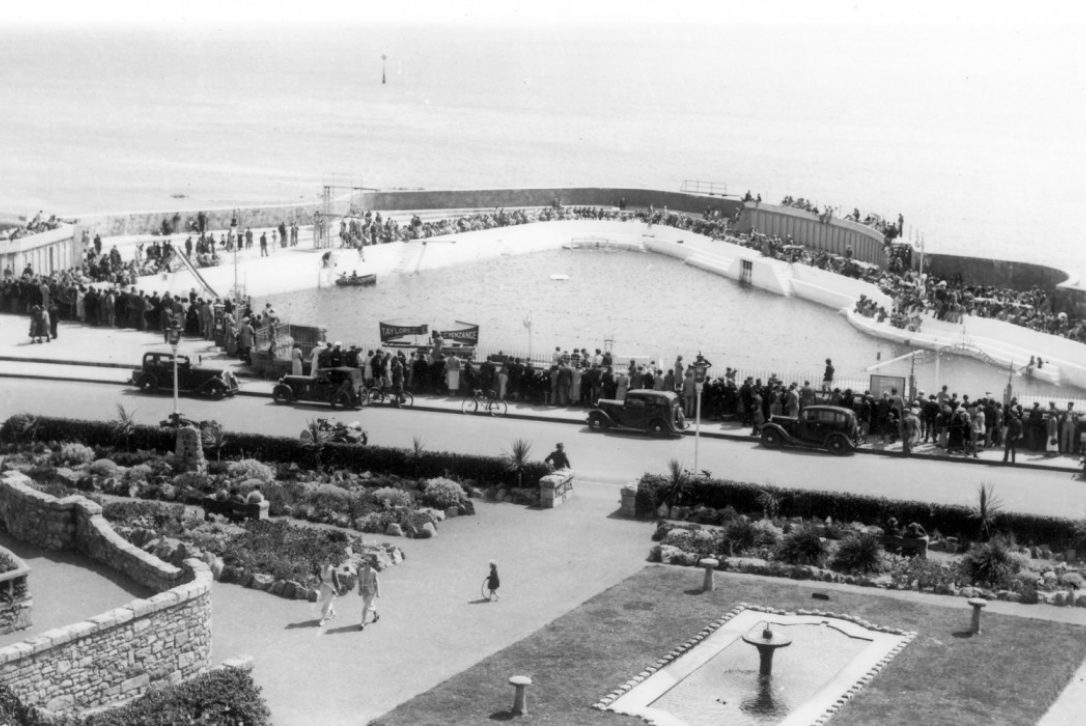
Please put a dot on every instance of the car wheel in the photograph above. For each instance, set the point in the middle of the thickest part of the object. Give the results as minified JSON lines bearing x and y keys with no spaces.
{"x":148,"y":384}
{"x":282,"y":394}
{"x":597,"y":422}
{"x":838,"y":444}
{"x":657,"y":427}
{"x":340,"y":400}
{"x":771,"y":438}
{"x":215,"y":391}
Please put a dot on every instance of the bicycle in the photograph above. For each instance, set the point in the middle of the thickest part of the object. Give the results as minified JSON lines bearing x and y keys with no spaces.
{"x":487,"y":402}
{"x":386,"y":394}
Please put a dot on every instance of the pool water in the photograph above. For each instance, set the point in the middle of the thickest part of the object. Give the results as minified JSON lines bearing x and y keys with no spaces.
{"x":728,"y":690}
{"x":640,"y":305}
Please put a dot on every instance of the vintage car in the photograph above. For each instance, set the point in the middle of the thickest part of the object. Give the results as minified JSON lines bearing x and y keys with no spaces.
{"x":658,"y":412}
{"x":338,"y":387}
{"x":823,"y":427}
{"x":156,"y":374}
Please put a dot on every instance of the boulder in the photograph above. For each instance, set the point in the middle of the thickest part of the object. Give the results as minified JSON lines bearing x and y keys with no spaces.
{"x":970,"y":591}
{"x":67,"y":476}
{"x":261,"y":581}
{"x":1080,"y":599}
{"x":394,"y":530}
{"x":287,"y":590}
{"x":466,"y":507}
{"x":945,"y":588}
{"x":663,"y":512}
{"x":277,"y":587}
{"x":426,"y":531}
{"x":451,"y":512}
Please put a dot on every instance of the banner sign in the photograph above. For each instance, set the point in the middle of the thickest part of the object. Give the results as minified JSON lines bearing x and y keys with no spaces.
{"x":885,"y":383}
{"x":468,"y":336}
{"x":391,"y":332}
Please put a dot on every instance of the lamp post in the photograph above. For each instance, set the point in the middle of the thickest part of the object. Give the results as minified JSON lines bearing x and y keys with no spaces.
{"x":174,"y":339}
{"x":699,"y":383}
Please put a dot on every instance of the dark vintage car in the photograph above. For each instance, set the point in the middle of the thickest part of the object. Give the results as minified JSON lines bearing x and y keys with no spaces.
{"x":823,"y":427}
{"x":658,"y":412}
{"x":156,"y":374}
{"x":339,"y":387}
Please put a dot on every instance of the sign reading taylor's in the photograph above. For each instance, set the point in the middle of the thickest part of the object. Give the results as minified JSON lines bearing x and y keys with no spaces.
{"x":391,"y":332}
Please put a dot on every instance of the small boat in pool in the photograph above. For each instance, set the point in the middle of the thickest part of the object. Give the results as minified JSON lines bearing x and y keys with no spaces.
{"x":353,"y":280}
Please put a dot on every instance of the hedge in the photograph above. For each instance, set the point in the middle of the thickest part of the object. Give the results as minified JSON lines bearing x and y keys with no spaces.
{"x":948,"y":519}
{"x":280,"y":449}
{"x":225,"y":696}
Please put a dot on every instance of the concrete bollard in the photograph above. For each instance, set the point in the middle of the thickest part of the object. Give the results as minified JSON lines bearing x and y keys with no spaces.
{"x":978,"y":604}
{"x":520,"y":696}
{"x":709,"y":565}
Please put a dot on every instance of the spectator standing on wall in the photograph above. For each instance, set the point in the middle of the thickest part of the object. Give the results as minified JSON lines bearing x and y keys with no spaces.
{"x":827,"y":376}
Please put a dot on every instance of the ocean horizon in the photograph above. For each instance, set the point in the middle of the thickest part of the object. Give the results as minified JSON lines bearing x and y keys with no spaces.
{"x":974,"y":145}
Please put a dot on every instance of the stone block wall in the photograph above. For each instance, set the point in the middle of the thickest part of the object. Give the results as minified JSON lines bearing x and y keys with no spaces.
{"x":120,"y":654}
{"x":15,"y":600}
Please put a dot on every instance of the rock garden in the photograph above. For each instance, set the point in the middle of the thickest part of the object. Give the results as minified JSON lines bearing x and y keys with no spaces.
{"x":978,"y":551}
{"x":154,"y":494}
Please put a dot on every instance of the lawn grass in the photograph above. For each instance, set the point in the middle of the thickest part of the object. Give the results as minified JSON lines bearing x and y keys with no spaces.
{"x":1008,"y":675}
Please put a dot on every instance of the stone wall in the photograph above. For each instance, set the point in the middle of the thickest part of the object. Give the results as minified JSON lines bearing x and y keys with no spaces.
{"x":120,"y":654}
{"x":15,"y":600}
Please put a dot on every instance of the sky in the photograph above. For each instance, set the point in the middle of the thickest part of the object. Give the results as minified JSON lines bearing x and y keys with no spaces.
{"x":53,"y":13}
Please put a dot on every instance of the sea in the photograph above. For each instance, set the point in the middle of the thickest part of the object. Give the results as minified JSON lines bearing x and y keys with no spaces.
{"x":970,"y":130}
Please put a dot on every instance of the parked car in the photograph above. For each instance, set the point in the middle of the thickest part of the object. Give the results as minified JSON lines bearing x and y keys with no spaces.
{"x":338,"y":387}
{"x":657,"y":412}
{"x":156,"y":374}
{"x":822,"y":427}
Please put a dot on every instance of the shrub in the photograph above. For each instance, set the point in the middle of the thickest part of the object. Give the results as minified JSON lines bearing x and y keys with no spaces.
{"x":73,"y":454}
{"x":860,"y":552}
{"x":741,"y":534}
{"x":223,"y":696}
{"x":103,"y":467}
{"x":139,"y":474}
{"x":766,"y":534}
{"x":442,"y":493}
{"x":991,"y":564}
{"x":163,"y":517}
{"x":284,"y":551}
{"x":803,"y":546}
{"x":909,"y":572}
{"x":250,"y":469}
{"x":391,"y":497}
{"x":695,"y":540}
{"x":328,"y":499}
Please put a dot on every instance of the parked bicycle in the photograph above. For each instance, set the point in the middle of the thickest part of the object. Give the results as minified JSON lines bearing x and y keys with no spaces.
{"x":484,"y":402}
{"x":386,"y":394}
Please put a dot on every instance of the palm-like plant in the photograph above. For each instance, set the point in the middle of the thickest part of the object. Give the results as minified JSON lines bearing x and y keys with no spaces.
{"x":516,"y":459}
{"x":124,"y":426}
{"x":213,"y":437}
{"x":316,"y":438}
{"x":418,"y":448}
{"x":678,"y":482}
{"x":986,"y":510}
{"x":770,"y":502}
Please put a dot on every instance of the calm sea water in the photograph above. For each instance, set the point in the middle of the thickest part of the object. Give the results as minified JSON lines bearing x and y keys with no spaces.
{"x":644,"y":306}
{"x":972,"y":133}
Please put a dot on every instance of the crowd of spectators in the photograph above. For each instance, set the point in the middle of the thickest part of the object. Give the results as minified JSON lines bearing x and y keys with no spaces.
{"x":39,"y":223}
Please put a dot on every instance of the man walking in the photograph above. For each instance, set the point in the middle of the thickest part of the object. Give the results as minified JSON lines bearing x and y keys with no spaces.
{"x":1013,"y":433}
{"x":368,"y":588}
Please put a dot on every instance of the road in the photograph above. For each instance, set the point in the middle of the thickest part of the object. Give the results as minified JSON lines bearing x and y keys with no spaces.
{"x":611,"y":458}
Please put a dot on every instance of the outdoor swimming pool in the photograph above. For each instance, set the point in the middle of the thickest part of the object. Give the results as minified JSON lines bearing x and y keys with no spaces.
{"x":648,"y":306}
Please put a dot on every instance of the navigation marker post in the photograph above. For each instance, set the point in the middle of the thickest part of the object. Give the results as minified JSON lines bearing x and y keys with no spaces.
{"x":699,"y":383}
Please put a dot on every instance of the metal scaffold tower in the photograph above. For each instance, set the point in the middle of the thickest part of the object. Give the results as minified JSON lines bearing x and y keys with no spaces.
{"x":341,"y":198}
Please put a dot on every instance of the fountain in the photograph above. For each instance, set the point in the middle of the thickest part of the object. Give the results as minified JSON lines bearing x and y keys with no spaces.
{"x":767,"y":644}
{"x":716,"y":678}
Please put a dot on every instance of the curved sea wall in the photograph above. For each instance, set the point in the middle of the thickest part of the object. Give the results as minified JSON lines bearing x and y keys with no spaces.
{"x":121,"y":653}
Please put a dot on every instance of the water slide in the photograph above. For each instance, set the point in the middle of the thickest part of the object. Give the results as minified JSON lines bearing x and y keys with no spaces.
{"x":186,"y":262}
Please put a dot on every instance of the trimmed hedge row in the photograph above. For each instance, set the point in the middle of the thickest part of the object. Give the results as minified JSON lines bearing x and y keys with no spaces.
{"x":353,"y":457}
{"x":948,"y":519}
